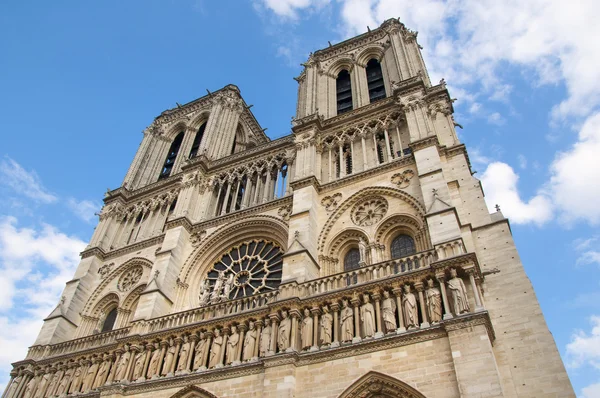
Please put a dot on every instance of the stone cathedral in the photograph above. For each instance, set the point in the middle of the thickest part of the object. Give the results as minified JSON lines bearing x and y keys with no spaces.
{"x":354,"y":257}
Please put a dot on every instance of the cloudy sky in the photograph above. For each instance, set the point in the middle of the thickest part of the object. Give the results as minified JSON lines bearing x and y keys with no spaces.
{"x":79,"y":81}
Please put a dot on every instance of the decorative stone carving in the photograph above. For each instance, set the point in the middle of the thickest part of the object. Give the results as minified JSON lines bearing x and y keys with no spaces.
{"x":402,"y":180}
{"x":105,"y":270}
{"x":102,"y":372}
{"x":30,"y":387}
{"x":250,"y":342}
{"x":153,"y":367}
{"x":369,"y":212}
{"x":325,"y":326}
{"x":90,"y":375}
{"x":76,"y":381}
{"x":200,"y":352}
{"x":362,"y":249}
{"x":283,"y":334}
{"x":458,"y":292}
{"x":347,"y":322}
{"x":44,"y":381}
{"x":227,"y":287}
{"x":232,"y":345}
{"x":169,"y":358}
{"x":130,"y":278}
{"x":197,"y":237}
{"x":53,"y":384}
{"x":215,"y":349}
{"x":367,"y":315}
{"x":216,"y":295}
{"x":433,"y":299}
{"x":205,"y":293}
{"x":64,"y":382}
{"x":388,"y":312}
{"x":409,"y":308}
{"x":307,"y":330}
{"x":138,"y":364}
{"x":265,"y":339}
{"x":331,"y":202}
{"x":122,"y":365}
{"x":184,"y":353}
{"x":285,"y":212}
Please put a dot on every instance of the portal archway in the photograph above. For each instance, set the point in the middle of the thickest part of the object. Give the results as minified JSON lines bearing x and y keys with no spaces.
{"x":378,"y":385}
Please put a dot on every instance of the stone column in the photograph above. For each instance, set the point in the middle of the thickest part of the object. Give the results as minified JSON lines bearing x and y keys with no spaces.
{"x":274,"y":329}
{"x":341,"y":159}
{"x":235,"y":195}
{"x":203,"y":365}
{"x":113,"y":368}
{"x":478,"y":305}
{"x":330,"y":166}
{"x":268,"y":188}
{"x":133,"y":349}
{"x":419,"y":287}
{"x":315,"y":311}
{"x":163,"y":350}
{"x":356,"y":304}
{"x":247,"y":192}
{"x":178,"y":342}
{"x":295,"y":315}
{"x":149,"y":349}
{"x":225,"y":333}
{"x":257,"y":188}
{"x":398,"y":294}
{"x":441,"y":280}
{"x":364,"y":152}
{"x":258,"y":325}
{"x":8,"y":386}
{"x":377,"y":298}
{"x":387,"y":145}
{"x":335,"y":309}
{"x":238,"y":354}
{"x":227,"y":193}
{"x":24,"y":381}
{"x":193,"y":340}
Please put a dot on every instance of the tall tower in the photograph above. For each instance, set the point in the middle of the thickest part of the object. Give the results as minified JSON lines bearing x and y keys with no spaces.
{"x":354,"y":257}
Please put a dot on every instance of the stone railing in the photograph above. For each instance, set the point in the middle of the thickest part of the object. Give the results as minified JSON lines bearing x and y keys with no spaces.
{"x":76,"y":345}
{"x":227,"y":308}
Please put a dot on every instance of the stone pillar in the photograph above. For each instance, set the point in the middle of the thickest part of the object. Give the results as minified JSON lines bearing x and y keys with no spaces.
{"x":193,"y":340}
{"x":419,"y":287}
{"x":398,"y":294}
{"x":113,"y":368}
{"x":24,"y":381}
{"x":295,"y":315}
{"x":247,"y":192}
{"x":441,"y":280}
{"x":330,"y":164}
{"x":335,"y":309}
{"x":178,"y":342}
{"x":238,"y":353}
{"x":163,"y":350}
{"x":268,"y":188}
{"x":203,"y":365}
{"x":390,"y":155}
{"x":149,"y":349}
{"x":478,"y":305}
{"x":356,"y":304}
{"x":274,"y":329}
{"x":133,"y":349}
{"x":315,"y":313}
{"x":257,"y":188}
{"x":258,"y":326}
{"x":341,"y":160}
{"x":364,"y":152}
{"x":377,"y":298}
{"x":225,"y":332}
{"x":227,"y":193}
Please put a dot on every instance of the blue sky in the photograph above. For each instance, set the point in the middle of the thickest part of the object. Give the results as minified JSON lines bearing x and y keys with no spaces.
{"x":79,"y":81}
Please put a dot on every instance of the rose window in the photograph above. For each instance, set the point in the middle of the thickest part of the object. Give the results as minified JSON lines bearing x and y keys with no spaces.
{"x":250,"y":268}
{"x":130,"y":278}
{"x":369,"y":212}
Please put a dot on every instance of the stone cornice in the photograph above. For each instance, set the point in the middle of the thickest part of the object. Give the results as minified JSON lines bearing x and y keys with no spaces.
{"x":144,"y":192}
{"x":363,"y":112}
{"x":423,"y":143}
{"x":305,"y":182}
{"x":101,"y":254}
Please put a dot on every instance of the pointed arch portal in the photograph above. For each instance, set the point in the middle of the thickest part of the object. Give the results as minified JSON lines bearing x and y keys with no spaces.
{"x":378,"y":385}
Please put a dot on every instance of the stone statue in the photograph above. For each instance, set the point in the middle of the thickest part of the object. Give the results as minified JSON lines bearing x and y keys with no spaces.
{"x":138,"y":365}
{"x":102,"y":373}
{"x":232,"y":345}
{"x":283,"y":336}
{"x":215,"y":349}
{"x":184,"y":353}
{"x":205,"y":293}
{"x":90,"y":376}
{"x":100,"y":323}
{"x":346,"y":320}
{"x":53,"y":384}
{"x":367,"y":314}
{"x":325,"y":326}
{"x":250,"y":342}
{"x":458,"y":293}
{"x":44,"y":381}
{"x":122,"y":366}
{"x":169,"y":358}
{"x":153,"y":367}
{"x":265,"y":340}
{"x":388,"y":312}
{"x":362,"y":248}
{"x":64,"y":382}
{"x":199,"y":352}
{"x":76,"y":381}
{"x":307,"y":330}
{"x":30,"y":387}
{"x":433,"y":299}
{"x":215,"y":296}
{"x":409,"y":308}
{"x":14,"y":385}
{"x":227,"y":287}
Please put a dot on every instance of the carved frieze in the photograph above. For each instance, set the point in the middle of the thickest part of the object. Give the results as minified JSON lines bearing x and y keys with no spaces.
{"x":402,"y":180}
{"x":285,"y":212}
{"x":331,"y":202}
{"x":105,"y":270}
{"x":369,"y":211}
{"x":130,"y":278}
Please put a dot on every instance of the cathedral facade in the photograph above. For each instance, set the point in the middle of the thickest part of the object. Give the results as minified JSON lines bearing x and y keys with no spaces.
{"x":355,"y":257}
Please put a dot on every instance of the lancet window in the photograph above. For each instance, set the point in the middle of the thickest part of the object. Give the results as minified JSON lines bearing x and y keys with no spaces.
{"x":343,"y":86}
{"x":109,"y":322}
{"x":375,"y":81}
{"x":171,"y":156}
{"x":352,"y":259}
{"x":197,"y":141}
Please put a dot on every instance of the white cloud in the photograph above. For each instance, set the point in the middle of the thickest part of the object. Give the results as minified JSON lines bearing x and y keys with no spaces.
{"x":584,"y":348}
{"x":35,"y":263}
{"x":496,"y":118}
{"x":500,"y":185}
{"x":289,"y":8}
{"x":522,"y":161}
{"x":84,"y":209}
{"x":588,"y":250}
{"x":575,"y":174}
{"x":24,"y":182}
{"x":591,"y":391}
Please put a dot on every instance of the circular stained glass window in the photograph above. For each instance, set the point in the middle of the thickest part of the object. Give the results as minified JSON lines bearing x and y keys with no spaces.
{"x":250,"y":268}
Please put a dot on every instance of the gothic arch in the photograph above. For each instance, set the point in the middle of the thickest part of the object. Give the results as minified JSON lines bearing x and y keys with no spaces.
{"x":360,"y":195}
{"x":200,"y":118}
{"x":213,"y":246}
{"x":337,"y":66}
{"x":108,"y":302}
{"x":397,"y":224}
{"x":379,"y":385}
{"x":175,"y":129}
{"x":193,"y":392}
{"x":126,"y":266}
{"x":369,"y":53}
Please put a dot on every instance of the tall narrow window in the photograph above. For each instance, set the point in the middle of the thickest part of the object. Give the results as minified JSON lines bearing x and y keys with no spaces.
{"x":197,"y":141}
{"x":375,"y":81}
{"x":402,"y":246}
{"x":171,"y":156}
{"x":352,"y":259}
{"x":109,"y":322}
{"x":348,"y":156}
{"x":344,"y":92}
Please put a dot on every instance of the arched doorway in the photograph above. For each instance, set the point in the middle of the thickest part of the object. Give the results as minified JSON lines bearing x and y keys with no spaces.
{"x":378,"y":385}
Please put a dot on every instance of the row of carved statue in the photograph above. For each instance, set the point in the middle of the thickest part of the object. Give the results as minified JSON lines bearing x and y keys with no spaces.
{"x":329,"y":325}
